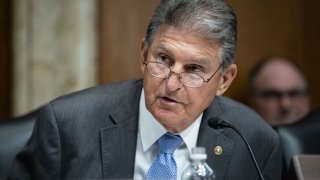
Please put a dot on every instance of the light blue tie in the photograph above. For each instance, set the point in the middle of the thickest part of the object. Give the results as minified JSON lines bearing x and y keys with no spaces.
{"x":164,"y":167}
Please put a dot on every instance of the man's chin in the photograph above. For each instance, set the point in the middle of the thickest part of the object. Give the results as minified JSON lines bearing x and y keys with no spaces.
{"x":286,"y":121}
{"x":165,"y":115}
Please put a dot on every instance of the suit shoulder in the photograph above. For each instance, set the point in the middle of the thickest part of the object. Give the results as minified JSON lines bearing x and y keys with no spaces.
{"x":244,"y":118}
{"x":95,"y":103}
{"x":227,"y":104}
{"x":99,"y":92}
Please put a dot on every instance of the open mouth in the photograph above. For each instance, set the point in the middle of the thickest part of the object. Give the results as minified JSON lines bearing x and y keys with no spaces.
{"x":166,"y":99}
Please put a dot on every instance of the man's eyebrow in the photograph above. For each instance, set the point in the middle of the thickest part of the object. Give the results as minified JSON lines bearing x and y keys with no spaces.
{"x":204,"y":61}
{"x":162,"y":47}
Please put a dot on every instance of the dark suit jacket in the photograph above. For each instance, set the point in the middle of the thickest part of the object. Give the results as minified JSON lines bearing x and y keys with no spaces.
{"x":92,"y":134}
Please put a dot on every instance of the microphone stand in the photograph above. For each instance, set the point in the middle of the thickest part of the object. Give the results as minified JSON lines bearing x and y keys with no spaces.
{"x":218,"y":124}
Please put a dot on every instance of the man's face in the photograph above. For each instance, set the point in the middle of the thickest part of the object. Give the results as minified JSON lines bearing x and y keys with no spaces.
{"x":173,"y":104}
{"x":280,"y":94}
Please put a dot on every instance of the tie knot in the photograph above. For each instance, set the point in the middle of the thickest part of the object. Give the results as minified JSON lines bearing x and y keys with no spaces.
{"x":168,"y":143}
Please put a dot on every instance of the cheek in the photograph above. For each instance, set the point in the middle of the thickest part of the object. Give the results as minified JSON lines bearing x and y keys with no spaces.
{"x":151,"y":88}
{"x":264,"y":106}
{"x":301,"y":107}
{"x":270,"y":109}
{"x":148,"y":87}
{"x":202,"y":99}
{"x":303,"y":103}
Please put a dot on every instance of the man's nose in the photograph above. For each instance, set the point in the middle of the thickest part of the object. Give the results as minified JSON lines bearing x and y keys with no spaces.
{"x":173,"y":82}
{"x":285,"y":101}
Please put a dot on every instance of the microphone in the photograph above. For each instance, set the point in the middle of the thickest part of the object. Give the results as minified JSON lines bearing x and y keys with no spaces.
{"x":217,"y":123}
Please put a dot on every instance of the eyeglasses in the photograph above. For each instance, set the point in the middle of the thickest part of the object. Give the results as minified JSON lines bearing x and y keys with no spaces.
{"x":188,"y":79}
{"x":276,"y":95}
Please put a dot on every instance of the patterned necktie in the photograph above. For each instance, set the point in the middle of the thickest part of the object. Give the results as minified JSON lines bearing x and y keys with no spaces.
{"x":164,"y":166}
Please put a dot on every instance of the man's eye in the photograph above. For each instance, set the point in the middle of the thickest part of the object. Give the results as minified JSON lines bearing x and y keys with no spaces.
{"x":271,"y":94}
{"x":296,"y":93}
{"x":163,"y":59}
{"x":194,"y":69}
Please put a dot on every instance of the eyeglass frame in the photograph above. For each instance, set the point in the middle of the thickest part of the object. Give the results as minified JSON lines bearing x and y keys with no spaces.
{"x":179,"y":74}
{"x":277,"y":95}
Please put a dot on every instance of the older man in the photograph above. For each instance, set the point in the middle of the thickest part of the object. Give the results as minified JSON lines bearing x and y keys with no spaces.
{"x":145,"y":129}
{"x":278,"y":91}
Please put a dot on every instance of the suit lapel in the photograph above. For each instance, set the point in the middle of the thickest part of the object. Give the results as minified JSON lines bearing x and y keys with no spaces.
{"x":118,"y":145}
{"x":213,"y":140}
{"x":119,"y":138}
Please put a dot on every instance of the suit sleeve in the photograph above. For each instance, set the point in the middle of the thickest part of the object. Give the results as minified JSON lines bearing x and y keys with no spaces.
{"x":273,"y":167}
{"x":41,"y":157}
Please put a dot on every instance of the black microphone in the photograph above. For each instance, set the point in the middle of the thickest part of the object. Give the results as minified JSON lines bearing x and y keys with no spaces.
{"x":217,"y":123}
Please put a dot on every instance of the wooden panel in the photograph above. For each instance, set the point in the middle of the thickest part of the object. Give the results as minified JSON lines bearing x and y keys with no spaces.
{"x":311,"y":39}
{"x":5,"y":59}
{"x":123,"y":25}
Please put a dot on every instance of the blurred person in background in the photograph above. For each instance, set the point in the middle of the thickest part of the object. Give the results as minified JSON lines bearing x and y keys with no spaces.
{"x":278,"y":91}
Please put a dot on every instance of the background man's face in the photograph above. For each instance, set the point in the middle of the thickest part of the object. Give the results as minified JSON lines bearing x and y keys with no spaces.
{"x":280,"y":95}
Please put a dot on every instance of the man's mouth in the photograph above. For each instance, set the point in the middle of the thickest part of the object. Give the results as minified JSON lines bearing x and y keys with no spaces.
{"x":169,"y":100}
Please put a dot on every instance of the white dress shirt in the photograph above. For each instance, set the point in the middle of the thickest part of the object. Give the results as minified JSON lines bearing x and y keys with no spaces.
{"x":150,"y":130}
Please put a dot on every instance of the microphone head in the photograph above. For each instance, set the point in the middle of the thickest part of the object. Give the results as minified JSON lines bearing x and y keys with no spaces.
{"x":217,"y":123}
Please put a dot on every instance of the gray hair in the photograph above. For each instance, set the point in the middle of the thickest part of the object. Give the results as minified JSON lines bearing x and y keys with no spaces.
{"x":212,"y":19}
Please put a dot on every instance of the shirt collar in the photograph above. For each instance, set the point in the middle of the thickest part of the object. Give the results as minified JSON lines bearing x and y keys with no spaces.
{"x":151,"y":130}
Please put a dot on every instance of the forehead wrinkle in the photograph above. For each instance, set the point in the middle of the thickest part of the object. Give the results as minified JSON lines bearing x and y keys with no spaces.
{"x":203,"y":61}
{"x":163,"y":47}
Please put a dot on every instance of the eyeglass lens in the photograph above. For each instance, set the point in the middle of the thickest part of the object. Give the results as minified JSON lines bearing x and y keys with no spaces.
{"x":162,"y":71}
{"x":274,"y":94}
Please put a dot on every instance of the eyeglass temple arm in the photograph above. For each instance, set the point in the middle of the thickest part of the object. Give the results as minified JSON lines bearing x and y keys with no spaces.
{"x":207,"y":80}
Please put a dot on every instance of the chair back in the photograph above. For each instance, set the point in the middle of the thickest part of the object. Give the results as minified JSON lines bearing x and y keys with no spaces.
{"x":14,"y":134}
{"x":302,"y":137}
{"x":305,"y":167}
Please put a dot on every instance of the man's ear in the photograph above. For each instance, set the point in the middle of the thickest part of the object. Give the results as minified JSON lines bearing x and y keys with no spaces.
{"x":143,"y":54}
{"x":226,"y":79}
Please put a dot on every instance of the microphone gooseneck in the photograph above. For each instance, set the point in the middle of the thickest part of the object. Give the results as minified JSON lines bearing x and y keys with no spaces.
{"x":217,"y":123}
